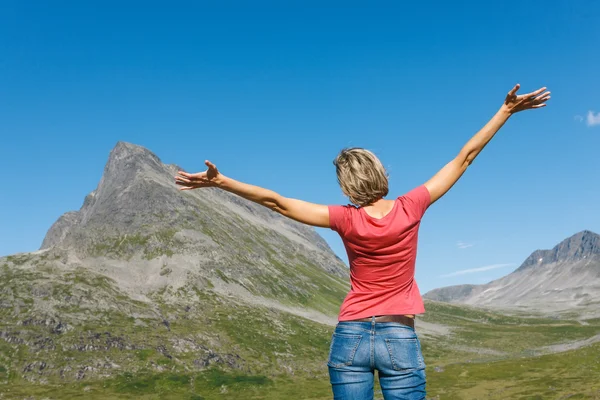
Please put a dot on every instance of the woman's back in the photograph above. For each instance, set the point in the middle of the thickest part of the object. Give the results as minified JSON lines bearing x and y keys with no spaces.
{"x":382,"y":254}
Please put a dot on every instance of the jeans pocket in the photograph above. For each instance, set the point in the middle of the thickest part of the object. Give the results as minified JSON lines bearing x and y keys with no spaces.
{"x":405,"y":354}
{"x":343,"y":348}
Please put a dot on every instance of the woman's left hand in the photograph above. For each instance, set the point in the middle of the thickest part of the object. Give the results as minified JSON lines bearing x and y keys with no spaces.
{"x":515,"y":103}
{"x":209,"y":178}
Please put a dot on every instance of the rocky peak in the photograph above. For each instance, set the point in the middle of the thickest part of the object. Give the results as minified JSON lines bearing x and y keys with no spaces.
{"x":137,"y":201}
{"x":578,"y":246}
{"x":126,"y":159}
{"x":123,"y":150}
{"x":134,"y":183}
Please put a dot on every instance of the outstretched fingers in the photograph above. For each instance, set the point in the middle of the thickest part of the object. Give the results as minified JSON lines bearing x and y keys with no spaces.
{"x":535,"y":99}
{"x":541,"y":99}
{"x":198,"y":180}
{"x":181,"y":179}
{"x":534,"y":94}
{"x":187,"y":185}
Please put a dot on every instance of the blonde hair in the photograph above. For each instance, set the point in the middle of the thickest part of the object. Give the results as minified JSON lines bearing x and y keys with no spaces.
{"x":361,"y":176}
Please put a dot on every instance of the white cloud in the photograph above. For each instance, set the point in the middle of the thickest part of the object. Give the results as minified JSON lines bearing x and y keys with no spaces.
{"x":593,"y":119}
{"x":475,"y":270}
{"x":463,"y":245}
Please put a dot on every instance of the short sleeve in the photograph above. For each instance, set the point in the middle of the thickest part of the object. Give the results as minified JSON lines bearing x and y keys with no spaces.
{"x":417,"y":201}
{"x":338,"y":218}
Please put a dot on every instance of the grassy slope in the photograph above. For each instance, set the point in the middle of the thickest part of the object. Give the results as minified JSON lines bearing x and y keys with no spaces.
{"x":505,"y":361}
{"x":209,"y":347}
{"x":287,"y":360}
{"x":213,"y":348}
{"x":572,"y":375}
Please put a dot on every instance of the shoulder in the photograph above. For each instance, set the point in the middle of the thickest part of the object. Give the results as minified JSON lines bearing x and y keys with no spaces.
{"x":340,"y":216}
{"x":416,"y":201}
{"x":418,"y":193}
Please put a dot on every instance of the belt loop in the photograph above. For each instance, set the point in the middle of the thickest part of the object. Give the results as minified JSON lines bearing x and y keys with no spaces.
{"x":373,"y":322}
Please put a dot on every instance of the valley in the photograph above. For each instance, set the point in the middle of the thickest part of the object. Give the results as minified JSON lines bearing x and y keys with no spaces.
{"x":148,"y":293}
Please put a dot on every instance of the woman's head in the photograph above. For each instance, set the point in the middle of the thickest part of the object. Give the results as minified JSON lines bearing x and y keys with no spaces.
{"x":361,"y":176}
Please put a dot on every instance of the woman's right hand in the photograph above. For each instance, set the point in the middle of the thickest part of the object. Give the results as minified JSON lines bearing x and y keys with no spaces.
{"x":209,"y":178}
{"x":515,"y":103}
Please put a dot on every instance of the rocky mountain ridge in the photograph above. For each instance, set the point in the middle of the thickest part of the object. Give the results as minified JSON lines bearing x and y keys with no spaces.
{"x":574,"y":248}
{"x":566,"y":277}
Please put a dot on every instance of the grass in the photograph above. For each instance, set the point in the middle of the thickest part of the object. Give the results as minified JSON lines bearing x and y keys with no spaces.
{"x":209,"y":385}
{"x":283,"y":356}
{"x":508,"y":335}
{"x":292,"y":278}
{"x":504,"y":362}
{"x":566,"y":375}
{"x":18,"y":259}
{"x":197,"y":345}
{"x":550,"y":376}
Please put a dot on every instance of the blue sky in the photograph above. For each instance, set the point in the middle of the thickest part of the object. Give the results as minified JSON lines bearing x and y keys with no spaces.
{"x":271,"y":91}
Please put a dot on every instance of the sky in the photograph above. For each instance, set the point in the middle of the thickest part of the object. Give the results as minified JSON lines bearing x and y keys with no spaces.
{"x":270,"y":91}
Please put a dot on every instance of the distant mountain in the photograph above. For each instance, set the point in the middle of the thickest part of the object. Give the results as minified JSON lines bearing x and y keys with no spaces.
{"x":563,"y":278}
{"x":450,"y":294}
{"x":145,"y":277}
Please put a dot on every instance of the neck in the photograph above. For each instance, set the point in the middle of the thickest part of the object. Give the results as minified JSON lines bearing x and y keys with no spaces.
{"x":379,"y":208}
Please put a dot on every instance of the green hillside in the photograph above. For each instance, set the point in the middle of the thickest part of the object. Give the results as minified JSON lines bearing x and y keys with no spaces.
{"x":495,"y":356}
{"x":208,"y":347}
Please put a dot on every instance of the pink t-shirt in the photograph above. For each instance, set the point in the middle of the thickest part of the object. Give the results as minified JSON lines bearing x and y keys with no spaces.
{"x":382,"y":254}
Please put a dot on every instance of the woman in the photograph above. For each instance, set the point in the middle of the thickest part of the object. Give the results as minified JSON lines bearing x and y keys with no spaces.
{"x":376,"y":321}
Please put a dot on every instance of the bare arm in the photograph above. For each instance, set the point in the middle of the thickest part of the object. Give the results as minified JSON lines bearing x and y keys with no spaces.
{"x":451,"y":172}
{"x":301,"y":211}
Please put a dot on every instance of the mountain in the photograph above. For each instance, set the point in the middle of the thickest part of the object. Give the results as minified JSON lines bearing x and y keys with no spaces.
{"x":566,"y":277}
{"x":145,"y":278}
{"x":137,"y":215}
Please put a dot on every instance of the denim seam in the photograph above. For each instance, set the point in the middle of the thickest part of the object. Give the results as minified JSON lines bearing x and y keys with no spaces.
{"x":356,"y":329}
{"x":379,"y":325}
{"x":372,"y":348}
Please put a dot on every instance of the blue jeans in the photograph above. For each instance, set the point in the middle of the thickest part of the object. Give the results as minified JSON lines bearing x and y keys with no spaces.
{"x":360,"y":348}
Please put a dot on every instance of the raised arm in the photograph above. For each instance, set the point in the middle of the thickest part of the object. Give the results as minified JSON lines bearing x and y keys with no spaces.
{"x":301,"y":211}
{"x":451,"y":172}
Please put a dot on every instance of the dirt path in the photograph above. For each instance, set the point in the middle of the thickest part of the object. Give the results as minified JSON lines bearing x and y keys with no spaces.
{"x":562,"y":347}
